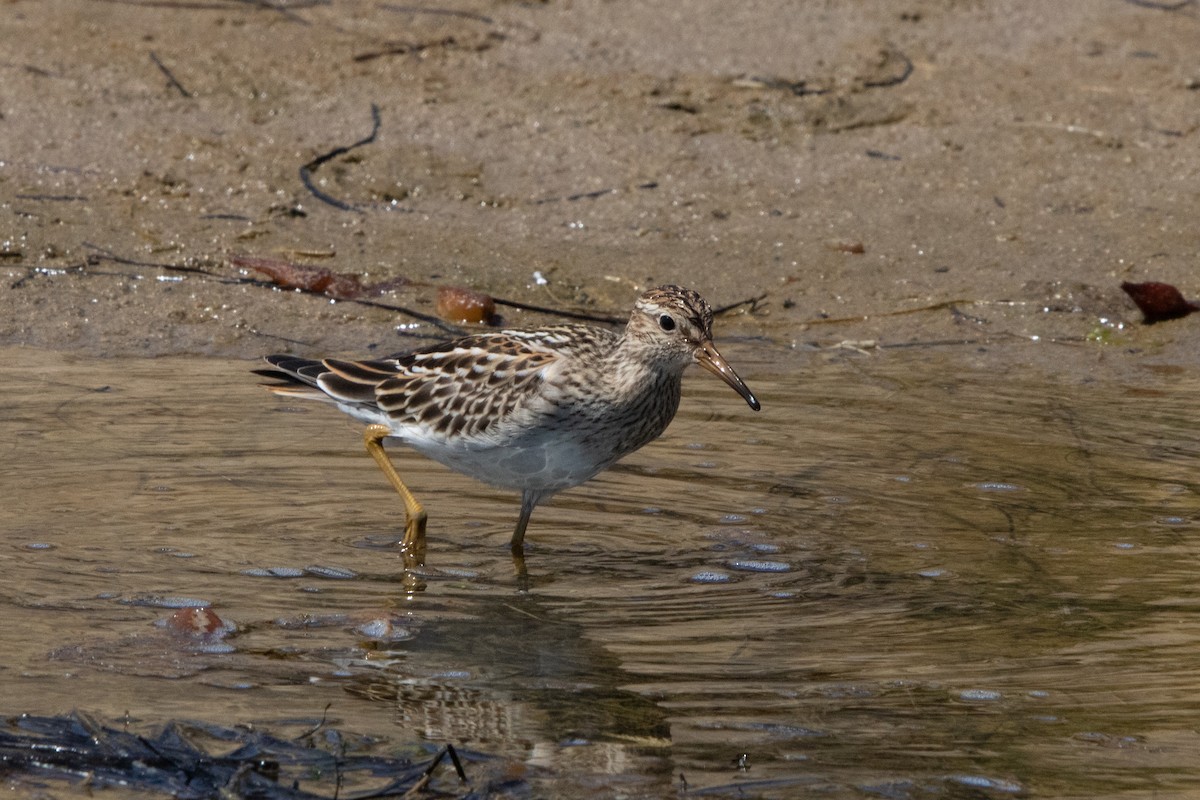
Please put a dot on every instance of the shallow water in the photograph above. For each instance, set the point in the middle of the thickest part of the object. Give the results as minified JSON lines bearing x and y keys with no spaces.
{"x":913,"y":574}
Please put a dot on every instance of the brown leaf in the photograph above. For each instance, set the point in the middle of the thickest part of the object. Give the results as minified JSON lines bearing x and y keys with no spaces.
{"x":1159,"y":301}
{"x":197,"y":623}
{"x":301,"y":276}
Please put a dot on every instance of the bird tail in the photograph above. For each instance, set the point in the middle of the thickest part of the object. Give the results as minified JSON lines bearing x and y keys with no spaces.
{"x":295,"y":377}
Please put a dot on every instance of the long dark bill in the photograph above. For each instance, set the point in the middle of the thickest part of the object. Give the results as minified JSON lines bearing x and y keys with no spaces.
{"x":708,"y":357}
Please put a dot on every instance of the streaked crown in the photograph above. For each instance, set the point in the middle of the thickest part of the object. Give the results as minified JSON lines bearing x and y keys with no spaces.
{"x":671,"y":322}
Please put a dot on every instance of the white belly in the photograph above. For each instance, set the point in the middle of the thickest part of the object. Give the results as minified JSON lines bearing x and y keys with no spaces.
{"x":541,"y":463}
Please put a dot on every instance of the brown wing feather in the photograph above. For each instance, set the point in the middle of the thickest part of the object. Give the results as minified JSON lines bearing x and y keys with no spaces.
{"x":463,"y":390}
{"x":353,"y":381}
{"x":459,"y":387}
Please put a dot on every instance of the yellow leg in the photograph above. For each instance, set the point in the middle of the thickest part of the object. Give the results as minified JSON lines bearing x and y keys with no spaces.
{"x":414,"y":514}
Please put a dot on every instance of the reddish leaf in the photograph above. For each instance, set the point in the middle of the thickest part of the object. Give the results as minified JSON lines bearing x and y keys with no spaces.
{"x":198,"y":623}
{"x":301,"y":276}
{"x":1159,"y":301}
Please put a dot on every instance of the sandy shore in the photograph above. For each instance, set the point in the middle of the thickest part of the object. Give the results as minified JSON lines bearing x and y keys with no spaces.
{"x":984,"y":161}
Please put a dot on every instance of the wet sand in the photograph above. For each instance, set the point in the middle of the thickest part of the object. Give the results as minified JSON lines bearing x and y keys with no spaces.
{"x":992,"y":162}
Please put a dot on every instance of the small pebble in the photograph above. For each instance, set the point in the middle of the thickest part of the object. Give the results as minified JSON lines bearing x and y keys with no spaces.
{"x":273,"y":572}
{"x":710,"y":577}
{"x":460,"y":572}
{"x":997,"y":486}
{"x":744,"y":565}
{"x":980,"y":782}
{"x":165,"y":601}
{"x":383,"y":630}
{"x":336,"y":573}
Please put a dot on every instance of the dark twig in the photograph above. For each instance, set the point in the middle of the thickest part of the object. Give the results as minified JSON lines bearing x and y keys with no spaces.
{"x":321,"y":724}
{"x":337,"y":766}
{"x":458,"y":767}
{"x":33,"y":69}
{"x":170,"y":77}
{"x":195,"y":5}
{"x":749,"y":301}
{"x":102,"y":254}
{"x":573,"y":197}
{"x":427,"y":775}
{"x":279,"y":338}
{"x":443,"y":12}
{"x":1160,"y":6}
{"x":448,"y":41}
{"x":592,"y":195}
{"x":308,"y":169}
{"x":404,"y":48}
{"x":288,"y":10}
{"x":33,"y":272}
{"x":945,"y":304}
{"x":801,"y":88}
{"x":580,"y":315}
{"x":51,"y":198}
{"x":231,"y":217}
{"x":445,"y":327}
{"x":108,"y":255}
{"x":606,"y":319}
{"x":883,"y":83}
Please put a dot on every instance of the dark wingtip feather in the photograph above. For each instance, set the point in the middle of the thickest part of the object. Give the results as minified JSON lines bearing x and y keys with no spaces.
{"x":291,"y":370}
{"x":270,"y":373}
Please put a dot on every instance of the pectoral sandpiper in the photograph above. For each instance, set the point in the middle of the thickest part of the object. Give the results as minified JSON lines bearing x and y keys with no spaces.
{"x":537,"y":410}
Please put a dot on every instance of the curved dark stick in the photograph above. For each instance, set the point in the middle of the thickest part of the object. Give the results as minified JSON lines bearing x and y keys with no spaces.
{"x":308,"y":169}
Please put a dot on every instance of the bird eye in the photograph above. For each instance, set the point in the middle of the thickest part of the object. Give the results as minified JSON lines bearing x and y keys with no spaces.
{"x":666,"y":322}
